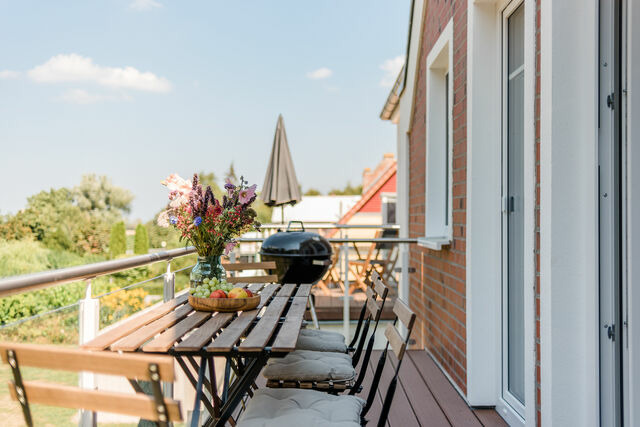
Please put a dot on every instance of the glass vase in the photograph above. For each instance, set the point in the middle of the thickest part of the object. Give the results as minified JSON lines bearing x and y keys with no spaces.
{"x":207,"y":267}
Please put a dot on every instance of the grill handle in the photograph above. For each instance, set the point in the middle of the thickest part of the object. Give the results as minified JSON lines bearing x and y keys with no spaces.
{"x":295,"y":222}
{"x":321,"y":262}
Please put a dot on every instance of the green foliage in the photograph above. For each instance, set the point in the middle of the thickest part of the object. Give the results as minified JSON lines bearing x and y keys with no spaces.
{"x":231,"y":175}
{"x":313,"y":192}
{"x":141,"y":242}
{"x":76,"y":219}
{"x":209,"y":179}
{"x":98,"y":196}
{"x":118,"y":240}
{"x":348,"y":190}
{"x":263,"y":211}
{"x":157,"y":235}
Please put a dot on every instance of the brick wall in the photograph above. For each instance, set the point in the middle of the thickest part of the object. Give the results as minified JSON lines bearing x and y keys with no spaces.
{"x":438,"y":286}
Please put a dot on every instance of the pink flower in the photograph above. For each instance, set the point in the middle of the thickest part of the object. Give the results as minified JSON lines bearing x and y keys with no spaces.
{"x":245,"y":195}
{"x":229,"y":247}
{"x":163,"y":219}
{"x":175,"y":182}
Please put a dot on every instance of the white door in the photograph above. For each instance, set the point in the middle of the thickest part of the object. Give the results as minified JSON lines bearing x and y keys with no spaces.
{"x":611,"y":213}
{"x":513,"y":207}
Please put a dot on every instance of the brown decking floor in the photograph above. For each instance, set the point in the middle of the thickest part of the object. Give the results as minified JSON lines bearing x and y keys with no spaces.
{"x":424,"y":396}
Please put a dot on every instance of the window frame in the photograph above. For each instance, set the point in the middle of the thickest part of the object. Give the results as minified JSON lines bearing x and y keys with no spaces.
{"x":438,"y":144}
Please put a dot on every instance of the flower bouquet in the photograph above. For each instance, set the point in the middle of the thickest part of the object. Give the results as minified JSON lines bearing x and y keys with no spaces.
{"x":211,"y":225}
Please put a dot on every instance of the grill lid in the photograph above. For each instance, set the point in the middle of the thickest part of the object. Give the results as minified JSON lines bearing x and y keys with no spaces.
{"x":294,"y":243}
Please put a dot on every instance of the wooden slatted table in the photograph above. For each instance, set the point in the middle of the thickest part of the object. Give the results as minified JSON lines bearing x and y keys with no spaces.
{"x":245,"y":339}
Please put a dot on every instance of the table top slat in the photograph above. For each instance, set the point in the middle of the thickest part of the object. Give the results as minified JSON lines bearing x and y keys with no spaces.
{"x":266,"y":293}
{"x":134,"y":340}
{"x":287,"y":337}
{"x":255,"y":287}
{"x":203,"y":335}
{"x":286,"y":290}
{"x":107,"y":338}
{"x":262,"y":332}
{"x":165,"y":340}
{"x":233,"y":332}
{"x":304,"y":290}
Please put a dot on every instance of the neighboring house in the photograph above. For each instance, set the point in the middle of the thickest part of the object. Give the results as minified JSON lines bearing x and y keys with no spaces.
{"x":377,"y":204}
{"x":517,"y":128}
{"x":315,"y":209}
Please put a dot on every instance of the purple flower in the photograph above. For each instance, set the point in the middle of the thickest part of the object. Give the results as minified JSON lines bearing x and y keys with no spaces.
{"x":245,"y":195}
{"x":229,"y":247}
{"x":229,"y":186}
{"x":173,"y":220}
{"x":197,"y":221}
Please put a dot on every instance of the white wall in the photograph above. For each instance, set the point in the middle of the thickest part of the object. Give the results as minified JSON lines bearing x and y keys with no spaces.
{"x":568,"y":210}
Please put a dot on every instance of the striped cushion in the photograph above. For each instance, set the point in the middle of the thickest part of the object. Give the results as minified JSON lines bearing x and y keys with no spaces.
{"x":317,"y":340}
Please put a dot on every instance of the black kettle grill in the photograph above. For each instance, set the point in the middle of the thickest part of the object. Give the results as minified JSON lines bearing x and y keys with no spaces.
{"x":300,"y":256}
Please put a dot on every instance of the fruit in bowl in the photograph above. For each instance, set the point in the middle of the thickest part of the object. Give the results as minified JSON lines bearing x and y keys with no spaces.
{"x":209,"y":286}
{"x":238,"y":293}
{"x":218,"y":294}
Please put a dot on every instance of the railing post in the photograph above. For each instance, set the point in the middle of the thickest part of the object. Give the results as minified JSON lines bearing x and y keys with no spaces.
{"x":403,"y":288}
{"x":345,"y":303}
{"x":169,"y":290}
{"x":168,"y":293}
{"x":89,"y":318}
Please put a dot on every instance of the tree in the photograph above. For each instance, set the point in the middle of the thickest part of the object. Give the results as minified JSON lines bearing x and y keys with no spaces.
{"x":348,"y":190}
{"x":210,"y":180}
{"x":118,"y":240}
{"x":313,"y":192}
{"x":98,"y":196}
{"x":231,"y":175}
{"x":141,"y":241}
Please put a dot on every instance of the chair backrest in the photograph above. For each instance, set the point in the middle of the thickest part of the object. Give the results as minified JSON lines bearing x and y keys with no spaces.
{"x":373,"y":309}
{"x":398,"y":345}
{"x":241,"y":266}
{"x":134,"y":367}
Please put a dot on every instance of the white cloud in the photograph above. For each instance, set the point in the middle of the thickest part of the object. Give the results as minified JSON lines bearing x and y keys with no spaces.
{"x":76,"y":68}
{"x":82,"y":97}
{"x":320,"y":73}
{"x":8,"y":74}
{"x":143,"y":5}
{"x":391,"y":68}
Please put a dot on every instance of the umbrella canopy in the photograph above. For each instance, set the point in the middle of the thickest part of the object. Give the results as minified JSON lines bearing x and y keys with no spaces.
{"x":280,"y":184}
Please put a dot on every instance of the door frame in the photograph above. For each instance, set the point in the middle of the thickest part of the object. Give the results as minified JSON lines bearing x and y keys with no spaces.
{"x":505,"y":13}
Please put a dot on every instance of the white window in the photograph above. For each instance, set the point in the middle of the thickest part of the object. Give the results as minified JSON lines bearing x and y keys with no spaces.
{"x":439,"y":151}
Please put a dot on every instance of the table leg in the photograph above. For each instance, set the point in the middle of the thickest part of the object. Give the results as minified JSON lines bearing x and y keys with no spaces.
{"x":195,"y":417}
{"x":227,"y":374}
{"x":239,"y":389}
{"x":193,"y":382}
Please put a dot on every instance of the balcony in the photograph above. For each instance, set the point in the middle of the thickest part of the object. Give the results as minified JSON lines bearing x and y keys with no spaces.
{"x":424,"y":394}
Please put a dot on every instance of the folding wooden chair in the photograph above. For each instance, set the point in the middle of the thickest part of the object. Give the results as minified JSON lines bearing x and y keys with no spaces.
{"x":278,"y":407}
{"x":317,"y":365}
{"x":134,"y":367}
{"x":362,"y":267}
{"x":268,"y":266}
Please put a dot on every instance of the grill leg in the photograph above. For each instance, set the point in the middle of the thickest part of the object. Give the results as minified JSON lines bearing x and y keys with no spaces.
{"x":314,"y":316}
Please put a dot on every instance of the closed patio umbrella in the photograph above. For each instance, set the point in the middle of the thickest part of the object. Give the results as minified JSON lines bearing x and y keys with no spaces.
{"x":280,"y":183}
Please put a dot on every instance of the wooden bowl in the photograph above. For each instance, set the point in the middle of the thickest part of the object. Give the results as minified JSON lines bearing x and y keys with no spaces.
{"x":224,"y":304}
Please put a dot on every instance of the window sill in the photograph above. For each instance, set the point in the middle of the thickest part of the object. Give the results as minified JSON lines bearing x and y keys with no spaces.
{"x":434,"y":243}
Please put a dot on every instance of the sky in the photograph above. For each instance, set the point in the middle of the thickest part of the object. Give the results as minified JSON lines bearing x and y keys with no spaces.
{"x":139,"y":89}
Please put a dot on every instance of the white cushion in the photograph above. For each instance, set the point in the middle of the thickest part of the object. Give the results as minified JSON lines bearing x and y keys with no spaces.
{"x":294,"y":408}
{"x":317,"y":340}
{"x":304,"y":365}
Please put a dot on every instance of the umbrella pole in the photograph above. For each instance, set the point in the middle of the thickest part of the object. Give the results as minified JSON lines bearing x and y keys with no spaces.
{"x":282,"y":216}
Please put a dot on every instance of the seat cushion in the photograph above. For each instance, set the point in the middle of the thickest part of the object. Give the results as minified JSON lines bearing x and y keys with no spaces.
{"x":305,"y":365}
{"x":317,"y":340}
{"x":294,"y":408}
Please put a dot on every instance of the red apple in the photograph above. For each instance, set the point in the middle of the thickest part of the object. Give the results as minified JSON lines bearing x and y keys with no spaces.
{"x":249,"y":293}
{"x":218,"y":294}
